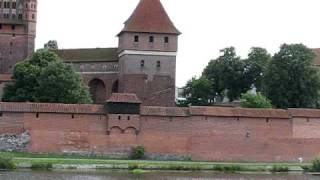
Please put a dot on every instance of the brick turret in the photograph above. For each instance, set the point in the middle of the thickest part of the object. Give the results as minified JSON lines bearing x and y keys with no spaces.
{"x":17,"y":32}
{"x":147,"y":55}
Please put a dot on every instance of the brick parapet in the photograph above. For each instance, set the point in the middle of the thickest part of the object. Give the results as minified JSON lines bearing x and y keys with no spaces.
{"x":161,"y":111}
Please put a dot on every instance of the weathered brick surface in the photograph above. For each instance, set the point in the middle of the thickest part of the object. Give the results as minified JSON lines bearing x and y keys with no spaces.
{"x":209,"y":134}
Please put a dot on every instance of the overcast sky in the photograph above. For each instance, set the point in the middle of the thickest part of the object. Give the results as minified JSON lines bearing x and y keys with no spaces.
{"x":207,"y":26}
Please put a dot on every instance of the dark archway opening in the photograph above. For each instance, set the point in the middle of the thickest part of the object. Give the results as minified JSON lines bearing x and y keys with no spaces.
{"x":97,"y":91}
{"x":115,"y":87}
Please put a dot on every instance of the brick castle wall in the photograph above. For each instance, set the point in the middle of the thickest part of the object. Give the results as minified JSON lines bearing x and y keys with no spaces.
{"x":206,"y":134}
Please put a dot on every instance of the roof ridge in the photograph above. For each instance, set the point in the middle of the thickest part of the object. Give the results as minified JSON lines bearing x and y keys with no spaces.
{"x":150,"y":16}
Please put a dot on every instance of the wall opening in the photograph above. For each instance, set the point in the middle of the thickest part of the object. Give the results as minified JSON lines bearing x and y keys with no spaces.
{"x":115,"y":87}
{"x":97,"y":91}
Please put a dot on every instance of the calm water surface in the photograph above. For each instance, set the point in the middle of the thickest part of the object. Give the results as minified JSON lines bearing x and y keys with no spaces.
{"x":125,"y":175}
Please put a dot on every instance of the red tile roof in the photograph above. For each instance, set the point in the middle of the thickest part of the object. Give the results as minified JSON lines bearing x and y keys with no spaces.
{"x":150,"y":17}
{"x":5,"y":77}
{"x":52,"y":108}
{"x":124,"y":98}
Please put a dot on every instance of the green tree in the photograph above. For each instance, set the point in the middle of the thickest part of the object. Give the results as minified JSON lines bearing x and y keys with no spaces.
{"x":250,"y":100}
{"x":256,"y":65}
{"x":290,"y":80}
{"x":46,"y":78}
{"x":198,"y":92}
{"x":227,"y":73}
{"x":51,"y":45}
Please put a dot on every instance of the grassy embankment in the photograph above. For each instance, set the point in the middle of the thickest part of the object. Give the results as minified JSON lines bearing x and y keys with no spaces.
{"x":35,"y":161}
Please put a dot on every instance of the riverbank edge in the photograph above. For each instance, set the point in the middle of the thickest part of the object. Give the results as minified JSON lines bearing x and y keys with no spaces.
{"x":31,"y":161}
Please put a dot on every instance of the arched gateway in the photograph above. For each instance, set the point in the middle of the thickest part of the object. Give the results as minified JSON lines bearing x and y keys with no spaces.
{"x":97,"y":91}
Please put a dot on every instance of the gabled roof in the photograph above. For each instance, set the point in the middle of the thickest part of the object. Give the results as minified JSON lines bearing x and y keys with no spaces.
{"x":150,"y":17}
{"x":88,"y":55}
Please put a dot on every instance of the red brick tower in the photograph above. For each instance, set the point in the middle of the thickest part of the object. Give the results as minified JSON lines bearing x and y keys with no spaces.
{"x":147,"y":55}
{"x":17,"y":32}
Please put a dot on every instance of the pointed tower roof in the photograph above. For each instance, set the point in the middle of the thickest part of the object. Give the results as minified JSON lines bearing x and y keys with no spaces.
{"x":150,"y":17}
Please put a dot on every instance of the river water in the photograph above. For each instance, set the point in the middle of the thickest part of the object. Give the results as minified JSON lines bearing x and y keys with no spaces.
{"x":126,"y":175}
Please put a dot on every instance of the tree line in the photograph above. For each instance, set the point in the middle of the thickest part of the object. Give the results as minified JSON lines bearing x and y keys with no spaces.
{"x":288,"y":79}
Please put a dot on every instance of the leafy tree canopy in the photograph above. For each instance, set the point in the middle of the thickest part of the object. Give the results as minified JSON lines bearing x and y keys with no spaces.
{"x":198,"y":92}
{"x":256,"y":65}
{"x":250,"y":100}
{"x":227,"y":73}
{"x":290,"y":80}
{"x":46,"y":78}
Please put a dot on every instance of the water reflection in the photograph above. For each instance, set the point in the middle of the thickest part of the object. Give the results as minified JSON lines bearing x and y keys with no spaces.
{"x":125,"y":175}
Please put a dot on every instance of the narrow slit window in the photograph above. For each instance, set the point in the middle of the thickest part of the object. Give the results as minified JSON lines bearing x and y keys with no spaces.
{"x":119,"y":117}
{"x":158,"y":64}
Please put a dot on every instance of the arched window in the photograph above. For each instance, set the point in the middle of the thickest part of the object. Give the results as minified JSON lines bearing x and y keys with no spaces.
{"x":142,"y":63}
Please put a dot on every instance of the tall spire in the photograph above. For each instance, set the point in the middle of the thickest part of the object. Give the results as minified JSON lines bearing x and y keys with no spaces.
{"x":150,"y":17}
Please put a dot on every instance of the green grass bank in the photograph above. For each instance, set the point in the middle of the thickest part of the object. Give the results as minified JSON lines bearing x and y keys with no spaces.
{"x":42,"y":161}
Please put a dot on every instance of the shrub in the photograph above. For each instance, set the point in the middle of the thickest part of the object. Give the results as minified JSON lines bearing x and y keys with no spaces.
{"x":250,"y":100}
{"x":279,"y":169}
{"x":41,"y":166}
{"x":138,"y":152}
{"x":228,"y":168}
{"x":7,"y":164}
{"x":315,"y":165}
{"x":133,"y":166}
{"x":307,"y":168}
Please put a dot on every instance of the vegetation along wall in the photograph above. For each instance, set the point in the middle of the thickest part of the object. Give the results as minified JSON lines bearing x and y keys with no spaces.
{"x":199,"y":133}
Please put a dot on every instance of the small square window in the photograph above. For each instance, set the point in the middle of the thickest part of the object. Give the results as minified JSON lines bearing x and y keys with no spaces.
{"x":166,"y":39}
{"x":151,"y":39}
{"x":136,"y":38}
